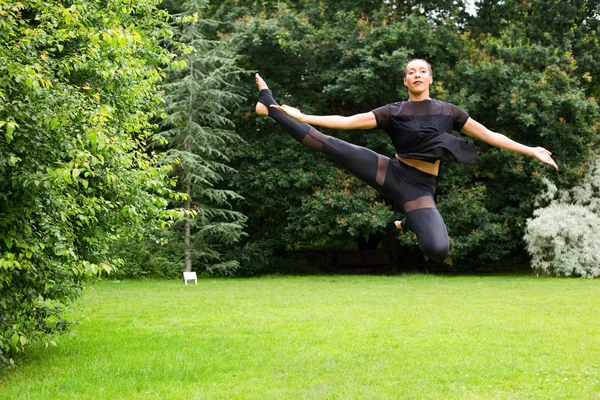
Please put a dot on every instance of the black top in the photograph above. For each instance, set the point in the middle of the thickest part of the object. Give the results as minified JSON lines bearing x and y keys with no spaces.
{"x":420,"y":130}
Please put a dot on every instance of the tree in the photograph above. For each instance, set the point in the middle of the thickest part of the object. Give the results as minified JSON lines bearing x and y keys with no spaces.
{"x":571,"y":26}
{"x":199,"y":97}
{"x":77,"y":91}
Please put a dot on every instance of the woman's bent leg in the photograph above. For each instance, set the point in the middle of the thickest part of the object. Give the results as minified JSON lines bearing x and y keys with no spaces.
{"x":413,"y":191}
{"x":429,"y":226}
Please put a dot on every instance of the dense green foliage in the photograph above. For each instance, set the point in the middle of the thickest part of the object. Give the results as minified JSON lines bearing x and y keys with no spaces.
{"x":77,"y":92}
{"x":515,"y":76}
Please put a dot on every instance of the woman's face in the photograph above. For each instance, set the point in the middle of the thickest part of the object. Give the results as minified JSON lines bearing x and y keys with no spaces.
{"x":417,"y":77}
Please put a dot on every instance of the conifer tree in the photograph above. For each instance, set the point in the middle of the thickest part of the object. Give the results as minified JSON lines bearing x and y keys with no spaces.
{"x":199,"y":96}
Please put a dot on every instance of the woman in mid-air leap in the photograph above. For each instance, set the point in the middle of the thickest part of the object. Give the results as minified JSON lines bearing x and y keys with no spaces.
{"x":420,"y":131}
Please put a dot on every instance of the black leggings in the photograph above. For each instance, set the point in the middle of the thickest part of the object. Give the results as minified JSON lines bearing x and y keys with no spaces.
{"x":406,"y":187}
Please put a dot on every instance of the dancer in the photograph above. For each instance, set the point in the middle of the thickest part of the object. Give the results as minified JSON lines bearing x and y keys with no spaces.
{"x":419,"y":129}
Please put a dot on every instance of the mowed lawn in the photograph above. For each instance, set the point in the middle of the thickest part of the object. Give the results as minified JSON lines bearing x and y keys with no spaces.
{"x":325,"y":337}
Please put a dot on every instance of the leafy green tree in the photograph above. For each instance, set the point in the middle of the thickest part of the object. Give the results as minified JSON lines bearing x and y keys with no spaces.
{"x":200,"y":136}
{"x":78,"y":87}
{"x":570,"y":26}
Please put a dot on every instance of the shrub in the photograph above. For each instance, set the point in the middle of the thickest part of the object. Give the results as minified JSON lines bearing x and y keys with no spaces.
{"x":78,"y":92}
{"x":563,"y":238}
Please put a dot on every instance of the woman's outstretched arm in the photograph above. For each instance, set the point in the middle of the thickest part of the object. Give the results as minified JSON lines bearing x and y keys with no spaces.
{"x":357,"y":121}
{"x":477,"y":130}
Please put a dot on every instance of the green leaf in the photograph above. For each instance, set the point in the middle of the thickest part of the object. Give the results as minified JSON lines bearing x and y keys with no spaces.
{"x":107,"y":38}
{"x":67,"y":176}
{"x":9,"y":242}
{"x":13,"y":160}
{"x":10,"y":129}
{"x":52,"y":321}
{"x":15,"y":339}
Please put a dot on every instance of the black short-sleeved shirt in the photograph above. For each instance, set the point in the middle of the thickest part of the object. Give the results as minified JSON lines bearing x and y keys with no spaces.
{"x":421,"y":130}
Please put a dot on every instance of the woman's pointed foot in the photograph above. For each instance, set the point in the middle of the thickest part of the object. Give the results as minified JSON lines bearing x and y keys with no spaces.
{"x":261,"y":109}
{"x":401,"y":224}
{"x":260,"y":82}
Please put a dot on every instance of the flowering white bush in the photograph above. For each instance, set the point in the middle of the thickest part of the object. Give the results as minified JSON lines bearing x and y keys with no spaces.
{"x":563,"y":238}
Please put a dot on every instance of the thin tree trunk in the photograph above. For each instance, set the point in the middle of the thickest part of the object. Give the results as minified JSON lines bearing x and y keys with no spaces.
{"x":187,"y":254}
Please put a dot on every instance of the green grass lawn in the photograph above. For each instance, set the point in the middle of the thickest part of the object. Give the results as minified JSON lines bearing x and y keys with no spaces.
{"x":325,"y":337}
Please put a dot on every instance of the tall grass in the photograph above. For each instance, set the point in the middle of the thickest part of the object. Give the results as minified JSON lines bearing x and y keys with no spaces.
{"x":327,"y":337}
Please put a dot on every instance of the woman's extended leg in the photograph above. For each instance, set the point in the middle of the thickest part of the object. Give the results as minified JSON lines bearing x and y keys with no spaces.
{"x":361,"y":162}
{"x":415,"y":196}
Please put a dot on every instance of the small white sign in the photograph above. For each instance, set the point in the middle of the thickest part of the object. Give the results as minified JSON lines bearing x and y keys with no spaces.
{"x":190,"y":276}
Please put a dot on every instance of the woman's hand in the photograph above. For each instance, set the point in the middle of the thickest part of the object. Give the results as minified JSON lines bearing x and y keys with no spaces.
{"x":290,"y":111}
{"x":544,"y":156}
